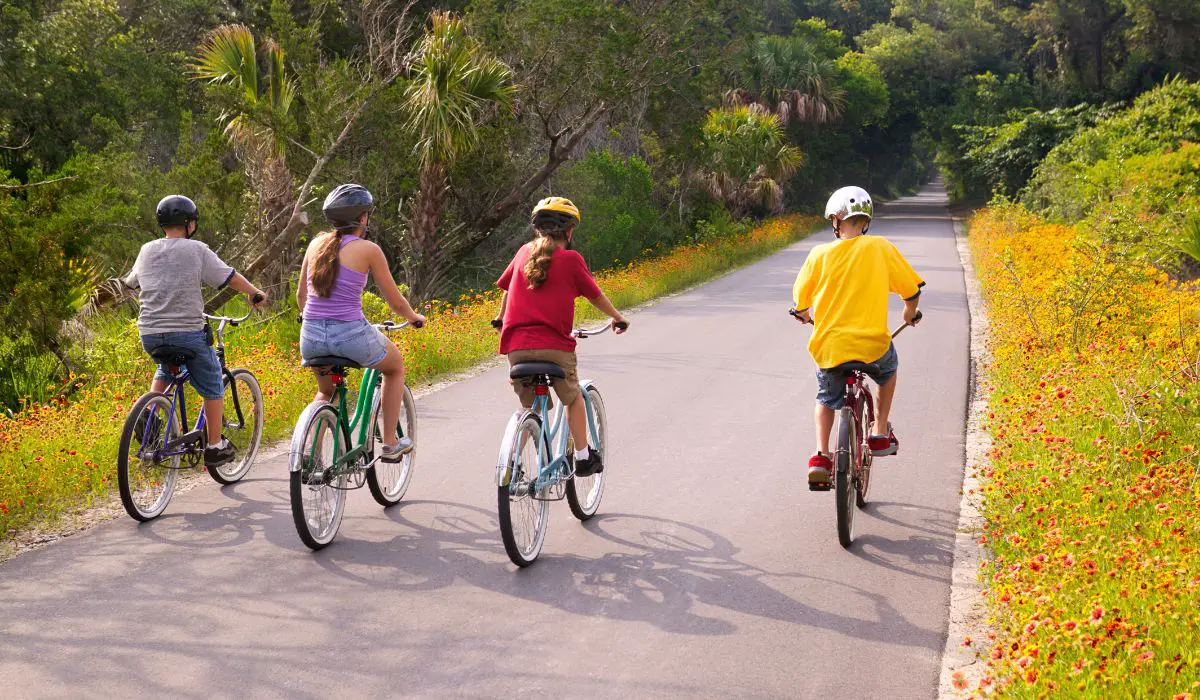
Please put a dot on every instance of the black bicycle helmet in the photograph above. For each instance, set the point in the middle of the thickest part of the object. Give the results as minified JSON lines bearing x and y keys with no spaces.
{"x":345,"y":204}
{"x":176,"y":210}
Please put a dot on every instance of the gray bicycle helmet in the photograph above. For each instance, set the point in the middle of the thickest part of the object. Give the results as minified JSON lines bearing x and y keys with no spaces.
{"x":345,"y":204}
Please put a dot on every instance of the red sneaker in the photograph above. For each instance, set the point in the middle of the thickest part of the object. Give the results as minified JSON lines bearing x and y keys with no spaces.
{"x":884,"y":445}
{"x":820,"y":470}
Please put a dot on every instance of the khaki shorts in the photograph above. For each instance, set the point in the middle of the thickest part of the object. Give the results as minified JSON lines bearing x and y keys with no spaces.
{"x":567,"y":389}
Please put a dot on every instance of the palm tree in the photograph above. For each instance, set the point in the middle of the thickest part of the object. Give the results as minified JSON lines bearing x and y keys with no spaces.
{"x":786,"y":76}
{"x":748,"y":158}
{"x":255,"y":124}
{"x":453,"y":86}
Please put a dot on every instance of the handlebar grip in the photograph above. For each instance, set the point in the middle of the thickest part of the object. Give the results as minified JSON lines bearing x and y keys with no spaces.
{"x":621,"y":325}
{"x":497,"y":323}
{"x":919,"y":316}
{"x":257,"y":299}
{"x":417,"y":324}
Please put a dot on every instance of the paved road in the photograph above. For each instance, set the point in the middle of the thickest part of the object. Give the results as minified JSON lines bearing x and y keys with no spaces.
{"x":711,"y":572}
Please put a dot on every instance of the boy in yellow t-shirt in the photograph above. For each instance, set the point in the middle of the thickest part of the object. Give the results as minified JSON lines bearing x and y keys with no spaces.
{"x":843,"y":290}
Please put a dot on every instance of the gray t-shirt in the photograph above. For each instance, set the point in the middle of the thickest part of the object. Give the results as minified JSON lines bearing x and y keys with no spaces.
{"x":169,"y":272}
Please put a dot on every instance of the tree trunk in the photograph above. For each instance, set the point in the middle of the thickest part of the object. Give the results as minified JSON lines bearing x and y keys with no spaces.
{"x":425,"y":247}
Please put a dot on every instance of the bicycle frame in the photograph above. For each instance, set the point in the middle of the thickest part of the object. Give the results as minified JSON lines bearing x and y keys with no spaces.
{"x":352,"y":428}
{"x":557,"y":433}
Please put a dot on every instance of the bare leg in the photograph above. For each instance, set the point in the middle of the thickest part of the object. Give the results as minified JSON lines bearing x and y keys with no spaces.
{"x":884,"y":405}
{"x":577,"y":419}
{"x":159,"y":385}
{"x":823,"y":417}
{"x":324,"y":385}
{"x":392,"y":369}
{"x":213,"y":412}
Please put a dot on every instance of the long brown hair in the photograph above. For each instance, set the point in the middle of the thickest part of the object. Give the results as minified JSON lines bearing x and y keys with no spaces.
{"x":542,"y":253}
{"x":325,"y":262}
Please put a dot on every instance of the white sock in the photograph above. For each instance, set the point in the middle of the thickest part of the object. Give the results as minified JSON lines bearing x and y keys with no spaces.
{"x":583,"y":454}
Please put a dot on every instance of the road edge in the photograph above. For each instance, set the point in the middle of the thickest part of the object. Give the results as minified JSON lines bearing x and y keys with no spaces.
{"x":967,"y":627}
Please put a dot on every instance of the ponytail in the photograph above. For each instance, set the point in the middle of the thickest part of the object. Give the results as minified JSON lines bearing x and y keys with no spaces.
{"x":325,"y":263}
{"x":540,"y":256}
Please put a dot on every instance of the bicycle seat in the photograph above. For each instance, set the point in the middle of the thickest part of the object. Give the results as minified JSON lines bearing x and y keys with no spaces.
{"x":172,"y":354}
{"x":855,"y":367}
{"x":331,"y":361}
{"x":536,"y":369}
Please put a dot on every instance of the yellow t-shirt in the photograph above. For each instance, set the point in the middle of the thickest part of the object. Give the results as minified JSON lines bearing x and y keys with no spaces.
{"x":846,"y":284}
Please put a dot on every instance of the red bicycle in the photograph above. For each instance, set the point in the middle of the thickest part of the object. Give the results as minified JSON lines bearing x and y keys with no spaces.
{"x":852,"y":461}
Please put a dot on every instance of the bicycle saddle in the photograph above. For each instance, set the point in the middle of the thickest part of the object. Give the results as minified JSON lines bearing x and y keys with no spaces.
{"x":536,"y":369}
{"x":172,"y":354}
{"x":855,"y":367}
{"x":331,"y":361}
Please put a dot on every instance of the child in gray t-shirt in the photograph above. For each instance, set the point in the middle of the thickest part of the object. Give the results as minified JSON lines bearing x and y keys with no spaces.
{"x":169,"y":273}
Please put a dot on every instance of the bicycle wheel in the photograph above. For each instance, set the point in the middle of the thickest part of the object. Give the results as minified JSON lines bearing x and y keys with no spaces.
{"x":523,"y":518}
{"x":246,"y":433}
{"x":862,"y":482}
{"x":389,"y":481}
{"x":844,"y":480}
{"x":584,"y":492}
{"x":318,"y":496}
{"x":145,"y":480}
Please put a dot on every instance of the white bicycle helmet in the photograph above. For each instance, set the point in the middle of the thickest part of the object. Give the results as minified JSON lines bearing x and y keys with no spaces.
{"x":848,"y":202}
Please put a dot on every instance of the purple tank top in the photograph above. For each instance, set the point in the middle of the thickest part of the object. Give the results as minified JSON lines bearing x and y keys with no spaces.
{"x":344,"y":302}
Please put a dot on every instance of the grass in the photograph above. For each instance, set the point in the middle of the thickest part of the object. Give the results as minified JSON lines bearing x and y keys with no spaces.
{"x":60,"y":457}
{"x":1092,"y":502}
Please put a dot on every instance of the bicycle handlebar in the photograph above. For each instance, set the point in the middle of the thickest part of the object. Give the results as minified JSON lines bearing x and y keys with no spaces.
{"x":916,"y":319}
{"x":589,"y":332}
{"x":235,"y":321}
{"x":388,"y":326}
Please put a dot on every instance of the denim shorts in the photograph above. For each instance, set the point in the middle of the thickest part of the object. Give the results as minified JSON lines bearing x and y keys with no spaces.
{"x":355,"y":340}
{"x":831,"y":383}
{"x":204,"y":369}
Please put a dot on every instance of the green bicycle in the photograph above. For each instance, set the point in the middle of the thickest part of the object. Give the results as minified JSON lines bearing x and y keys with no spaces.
{"x":333,"y":451}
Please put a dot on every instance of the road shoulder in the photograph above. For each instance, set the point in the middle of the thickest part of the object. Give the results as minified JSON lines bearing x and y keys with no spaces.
{"x":962,"y":667}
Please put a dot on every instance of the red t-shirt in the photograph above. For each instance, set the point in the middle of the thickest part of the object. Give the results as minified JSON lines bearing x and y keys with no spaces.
{"x":542,"y":318}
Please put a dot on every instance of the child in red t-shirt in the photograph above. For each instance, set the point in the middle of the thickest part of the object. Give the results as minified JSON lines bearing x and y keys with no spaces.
{"x":537,"y":313}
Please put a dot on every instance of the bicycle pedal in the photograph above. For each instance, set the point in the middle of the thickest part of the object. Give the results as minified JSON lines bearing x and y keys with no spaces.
{"x":820,"y":487}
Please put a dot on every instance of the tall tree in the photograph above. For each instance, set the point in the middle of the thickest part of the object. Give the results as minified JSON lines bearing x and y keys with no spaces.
{"x":748,"y":158}
{"x":790,"y":77}
{"x":454,"y":84}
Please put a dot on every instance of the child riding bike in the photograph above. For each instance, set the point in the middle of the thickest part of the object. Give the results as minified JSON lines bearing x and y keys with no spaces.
{"x":332,"y":278}
{"x":843,"y":290}
{"x":169,"y":273}
{"x":537,"y":314}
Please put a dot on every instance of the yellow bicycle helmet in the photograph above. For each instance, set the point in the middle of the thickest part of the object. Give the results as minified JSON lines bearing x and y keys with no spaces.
{"x":554,"y":213}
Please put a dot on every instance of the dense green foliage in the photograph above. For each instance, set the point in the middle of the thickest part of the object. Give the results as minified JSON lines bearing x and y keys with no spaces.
{"x":459,"y":115}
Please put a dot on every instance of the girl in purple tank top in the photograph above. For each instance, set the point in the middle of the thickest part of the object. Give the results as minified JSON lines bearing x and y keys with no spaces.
{"x":332,"y":278}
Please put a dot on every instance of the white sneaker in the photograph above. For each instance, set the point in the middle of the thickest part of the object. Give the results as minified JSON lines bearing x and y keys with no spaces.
{"x":395,"y":453}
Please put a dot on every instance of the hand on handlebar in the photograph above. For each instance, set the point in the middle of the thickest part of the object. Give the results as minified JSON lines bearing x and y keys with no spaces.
{"x":803,"y":316}
{"x":258,"y":299}
{"x":912,"y":316}
{"x":620,"y":325}
{"x":417,"y":321}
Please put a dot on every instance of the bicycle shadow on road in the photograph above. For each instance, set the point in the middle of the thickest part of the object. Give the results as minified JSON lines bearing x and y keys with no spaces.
{"x":929,"y":553}
{"x":657,"y":571}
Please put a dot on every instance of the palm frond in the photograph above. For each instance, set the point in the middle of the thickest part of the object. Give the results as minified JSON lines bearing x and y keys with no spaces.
{"x":228,"y":55}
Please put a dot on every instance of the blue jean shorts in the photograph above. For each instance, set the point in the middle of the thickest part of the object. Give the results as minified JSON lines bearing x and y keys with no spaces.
{"x":355,"y":340}
{"x":831,"y":383}
{"x":204,"y":369}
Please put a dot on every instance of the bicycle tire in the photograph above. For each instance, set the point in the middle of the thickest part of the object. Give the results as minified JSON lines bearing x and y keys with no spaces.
{"x":844,"y":478}
{"x":514,"y":495}
{"x":247,"y":438}
{"x":132,"y":474}
{"x":862,"y":482}
{"x":389,"y":483}
{"x":317,"y":502}
{"x":591,"y":487}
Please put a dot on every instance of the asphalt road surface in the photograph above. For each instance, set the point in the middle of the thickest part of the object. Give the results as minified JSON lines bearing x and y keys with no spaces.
{"x":711,"y":570}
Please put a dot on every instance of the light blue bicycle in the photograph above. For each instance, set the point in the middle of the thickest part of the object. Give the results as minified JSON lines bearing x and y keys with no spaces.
{"x":537,"y":465}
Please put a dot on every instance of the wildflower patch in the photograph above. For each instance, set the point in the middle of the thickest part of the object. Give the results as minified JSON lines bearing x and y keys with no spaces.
{"x":1092,"y":500}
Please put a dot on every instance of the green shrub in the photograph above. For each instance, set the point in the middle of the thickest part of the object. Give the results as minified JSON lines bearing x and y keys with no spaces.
{"x":615,"y":196}
{"x":1083,"y":170}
